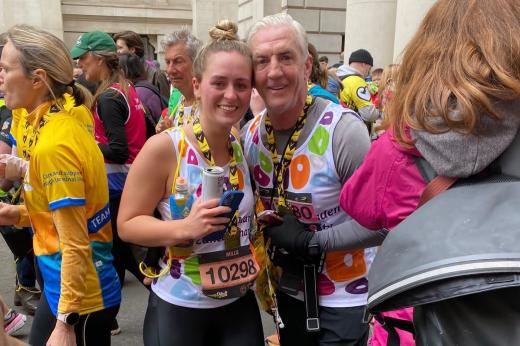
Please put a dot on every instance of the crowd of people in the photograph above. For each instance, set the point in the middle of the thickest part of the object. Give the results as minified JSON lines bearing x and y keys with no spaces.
{"x":95,"y":164}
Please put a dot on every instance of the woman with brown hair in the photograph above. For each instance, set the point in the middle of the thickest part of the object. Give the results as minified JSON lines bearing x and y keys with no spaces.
{"x":193,"y":300}
{"x":456,"y":105}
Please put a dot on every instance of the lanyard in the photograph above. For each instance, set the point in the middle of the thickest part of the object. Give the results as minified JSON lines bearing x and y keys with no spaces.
{"x":290,"y":148}
{"x":180,"y":117}
{"x":232,"y":237}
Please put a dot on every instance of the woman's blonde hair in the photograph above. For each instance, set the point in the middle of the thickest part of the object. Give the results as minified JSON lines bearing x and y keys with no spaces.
{"x":464,"y":56}
{"x":223,"y":38}
{"x":39,"y":49}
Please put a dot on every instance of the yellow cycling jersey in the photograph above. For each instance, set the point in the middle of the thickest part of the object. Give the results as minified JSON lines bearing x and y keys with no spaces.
{"x":355,"y":93}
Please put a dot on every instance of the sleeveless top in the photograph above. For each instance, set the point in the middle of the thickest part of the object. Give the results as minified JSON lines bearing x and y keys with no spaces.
{"x":313,"y":195}
{"x":183,"y":286}
{"x":135,"y":130}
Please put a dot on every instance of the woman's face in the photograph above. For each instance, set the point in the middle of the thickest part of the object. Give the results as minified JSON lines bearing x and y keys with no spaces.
{"x":18,"y":89}
{"x":225,"y":89}
{"x":91,"y":66}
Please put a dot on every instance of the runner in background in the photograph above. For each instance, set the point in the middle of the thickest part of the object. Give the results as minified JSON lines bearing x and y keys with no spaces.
{"x":180,"y":49}
{"x":120,"y":130}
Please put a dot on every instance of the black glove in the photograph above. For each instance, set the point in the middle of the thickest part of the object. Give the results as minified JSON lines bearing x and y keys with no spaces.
{"x":290,"y":236}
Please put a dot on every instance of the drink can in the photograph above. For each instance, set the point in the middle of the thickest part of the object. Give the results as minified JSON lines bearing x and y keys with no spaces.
{"x":212,"y":182}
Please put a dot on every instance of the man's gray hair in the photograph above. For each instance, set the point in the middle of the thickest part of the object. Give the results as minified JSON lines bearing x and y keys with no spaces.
{"x":282,"y":19}
{"x":193,"y":44}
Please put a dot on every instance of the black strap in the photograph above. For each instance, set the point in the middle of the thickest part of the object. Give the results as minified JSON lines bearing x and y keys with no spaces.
{"x":391,"y":325}
{"x":349,"y":75}
{"x":312,"y":319}
{"x":426,"y":170}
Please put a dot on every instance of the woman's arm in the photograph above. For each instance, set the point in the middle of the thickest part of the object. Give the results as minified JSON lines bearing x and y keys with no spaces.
{"x":71,"y":225}
{"x":150,"y":180}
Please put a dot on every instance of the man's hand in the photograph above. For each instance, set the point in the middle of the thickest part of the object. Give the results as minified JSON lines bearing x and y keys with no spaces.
{"x":62,"y":335}
{"x":290,"y":236}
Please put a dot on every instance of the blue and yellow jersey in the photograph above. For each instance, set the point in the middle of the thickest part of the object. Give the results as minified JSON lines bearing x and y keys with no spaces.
{"x":66,"y":168}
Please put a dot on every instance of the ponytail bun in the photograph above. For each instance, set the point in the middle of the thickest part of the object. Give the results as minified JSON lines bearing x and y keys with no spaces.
{"x":224,"y":30}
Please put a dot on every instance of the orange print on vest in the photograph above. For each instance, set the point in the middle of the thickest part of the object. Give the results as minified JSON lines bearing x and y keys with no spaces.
{"x":344,"y":266}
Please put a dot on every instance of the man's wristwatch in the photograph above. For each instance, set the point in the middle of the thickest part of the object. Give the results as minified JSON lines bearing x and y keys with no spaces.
{"x":71,"y":318}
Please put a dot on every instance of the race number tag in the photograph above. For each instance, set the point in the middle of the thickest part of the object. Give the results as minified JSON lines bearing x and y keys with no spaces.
{"x":301,"y":205}
{"x":227,"y":274}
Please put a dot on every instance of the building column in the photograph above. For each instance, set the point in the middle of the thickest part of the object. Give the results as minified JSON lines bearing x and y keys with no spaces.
{"x":370,"y":24}
{"x":409,"y":15}
{"x":206,"y":13}
{"x":45,"y":15}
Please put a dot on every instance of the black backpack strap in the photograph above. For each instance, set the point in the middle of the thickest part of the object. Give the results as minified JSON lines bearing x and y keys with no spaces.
{"x":349,"y":75}
{"x":153,"y":88}
{"x":391,"y":325}
{"x":426,"y":170}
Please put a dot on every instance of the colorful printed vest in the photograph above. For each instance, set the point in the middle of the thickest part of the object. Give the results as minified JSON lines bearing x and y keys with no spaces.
{"x":313,"y":195}
{"x":135,"y":129}
{"x":210,"y":267}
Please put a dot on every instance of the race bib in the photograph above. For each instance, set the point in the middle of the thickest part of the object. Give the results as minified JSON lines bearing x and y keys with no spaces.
{"x":227,"y":274}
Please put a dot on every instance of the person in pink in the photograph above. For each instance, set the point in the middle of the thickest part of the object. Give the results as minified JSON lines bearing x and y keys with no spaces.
{"x":456,"y":106}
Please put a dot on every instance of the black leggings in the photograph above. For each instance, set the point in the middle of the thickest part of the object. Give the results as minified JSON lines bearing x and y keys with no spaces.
{"x":92,"y":329}
{"x":236,"y":324}
{"x":339,"y":326}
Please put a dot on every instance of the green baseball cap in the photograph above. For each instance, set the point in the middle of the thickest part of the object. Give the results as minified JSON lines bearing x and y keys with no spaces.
{"x":94,"y":41}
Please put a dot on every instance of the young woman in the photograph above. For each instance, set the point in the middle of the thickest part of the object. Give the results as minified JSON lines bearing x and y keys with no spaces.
{"x":65,"y":194}
{"x":456,"y":105}
{"x":120,"y":127}
{"x":196,"y":302}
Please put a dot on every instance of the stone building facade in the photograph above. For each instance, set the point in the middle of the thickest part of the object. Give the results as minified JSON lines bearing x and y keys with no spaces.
{"x":381,"y":26}
{"x":152,"y":19}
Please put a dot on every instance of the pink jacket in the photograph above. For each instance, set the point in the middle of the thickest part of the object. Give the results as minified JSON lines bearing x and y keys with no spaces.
{"x":380,"y":194}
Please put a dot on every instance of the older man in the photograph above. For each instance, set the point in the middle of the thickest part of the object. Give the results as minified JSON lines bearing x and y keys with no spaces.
{"x":180,"y":49}
{"x":301,"y":150}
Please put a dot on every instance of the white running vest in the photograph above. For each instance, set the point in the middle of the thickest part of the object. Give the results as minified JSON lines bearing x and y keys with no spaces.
{"x":313,"y":195}
{"x":182,"y":286}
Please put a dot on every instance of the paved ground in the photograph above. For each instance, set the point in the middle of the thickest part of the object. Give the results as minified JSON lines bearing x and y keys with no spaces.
{"x":130,"y":316}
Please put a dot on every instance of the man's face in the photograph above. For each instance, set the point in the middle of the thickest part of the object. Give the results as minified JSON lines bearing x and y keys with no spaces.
{"x":122,"y":47}
{"x":178,"y":68}
{"x":281,"y":71}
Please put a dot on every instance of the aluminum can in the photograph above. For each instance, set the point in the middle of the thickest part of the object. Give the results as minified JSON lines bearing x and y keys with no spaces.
{"x":212,"y":183}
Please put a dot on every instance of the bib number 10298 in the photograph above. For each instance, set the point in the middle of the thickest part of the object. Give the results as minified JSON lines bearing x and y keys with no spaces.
{"x":234,"y":272}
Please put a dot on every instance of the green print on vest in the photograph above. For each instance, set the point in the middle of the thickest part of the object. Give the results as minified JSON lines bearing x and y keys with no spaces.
{"x":237,"y":152}
{"x":319,"y":141}
{"x":265,"y":163}
{"x":191,"y":269}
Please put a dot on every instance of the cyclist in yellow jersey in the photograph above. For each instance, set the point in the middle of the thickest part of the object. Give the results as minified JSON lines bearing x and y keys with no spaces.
{"x":355,"y":94}
{"x":65,"y":191}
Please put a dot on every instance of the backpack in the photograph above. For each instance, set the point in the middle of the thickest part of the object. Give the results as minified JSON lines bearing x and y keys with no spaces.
{"x":153,"y":88}
{"x":461,"y":242}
